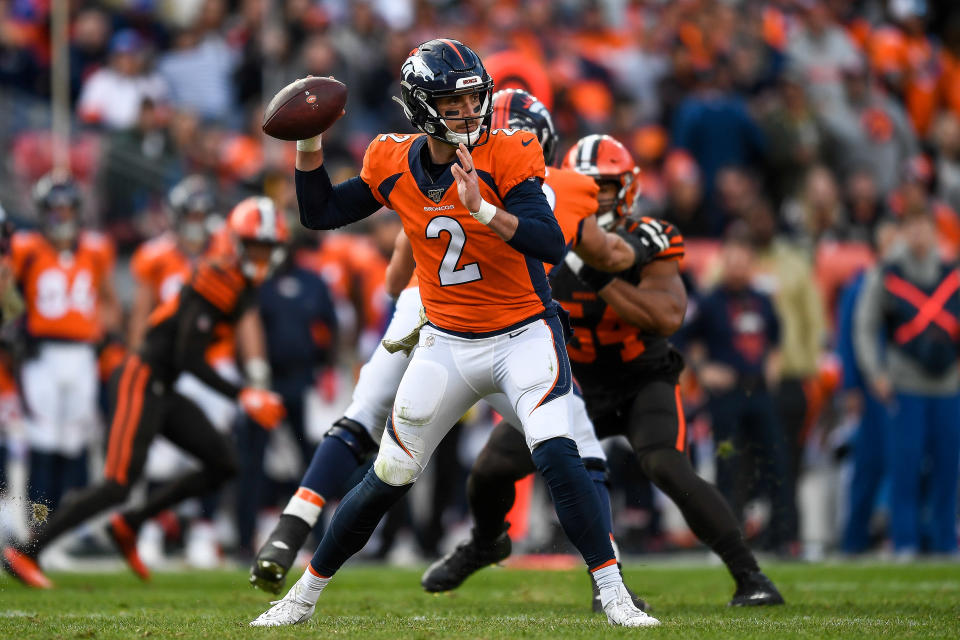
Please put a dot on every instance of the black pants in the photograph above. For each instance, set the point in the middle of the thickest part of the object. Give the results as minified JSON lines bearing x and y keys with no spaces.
{"x":747,"y":422}
{"x":792,"y":405}
{"x":253,"y":486}
{"x":141,"y":407}
{"x":652,"y":419}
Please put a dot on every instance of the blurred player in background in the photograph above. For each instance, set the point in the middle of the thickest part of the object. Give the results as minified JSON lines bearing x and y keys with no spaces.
{"x":621,"y":356}
{"x":492,"y":325}
{"x":160,"y":267}
{"x":64,"y":272}
{"x":574,"y":198}
{"x":144,"y":403}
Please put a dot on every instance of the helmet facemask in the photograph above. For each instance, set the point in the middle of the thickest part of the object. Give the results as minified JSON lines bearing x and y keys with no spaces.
{"x":428,"y":119}
{"x":259,"y":258}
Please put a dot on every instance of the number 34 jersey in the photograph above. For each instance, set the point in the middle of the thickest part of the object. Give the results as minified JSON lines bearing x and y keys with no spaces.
{"x":61,"y":290}
{"x":607,"y":353}
{"x":471,"y":281}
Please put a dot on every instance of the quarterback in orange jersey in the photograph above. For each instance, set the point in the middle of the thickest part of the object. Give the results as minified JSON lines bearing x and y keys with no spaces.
{"x":65,"y":274}
{"x":357,"y":434}
{"x":471,"y":202}
{"x":144,"y":402}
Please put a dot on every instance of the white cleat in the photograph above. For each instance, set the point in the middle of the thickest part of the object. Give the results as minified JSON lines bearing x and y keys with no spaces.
{"x":287,"y":611}
{"x":621,"y":612}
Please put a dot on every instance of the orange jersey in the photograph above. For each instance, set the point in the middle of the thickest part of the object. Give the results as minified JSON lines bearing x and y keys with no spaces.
{"x":573,"y":198}
{"x":354,"y":270}
{"x":470,"y":279}
{"x":162,"y":266}
{"x":62,"y":290}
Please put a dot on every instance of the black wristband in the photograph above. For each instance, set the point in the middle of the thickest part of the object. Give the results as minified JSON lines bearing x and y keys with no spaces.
{"x":594,"y":278}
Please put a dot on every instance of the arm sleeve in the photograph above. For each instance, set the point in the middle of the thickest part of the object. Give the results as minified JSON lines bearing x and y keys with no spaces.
{"x":538,"y":233}
{"x":197,"y":321}
{"x":867,"y":320}
{"x":325,"y":206}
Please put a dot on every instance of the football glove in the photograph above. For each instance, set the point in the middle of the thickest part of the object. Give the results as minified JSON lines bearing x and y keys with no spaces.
{"x":264,"y":407}
{"x":648,"y":239}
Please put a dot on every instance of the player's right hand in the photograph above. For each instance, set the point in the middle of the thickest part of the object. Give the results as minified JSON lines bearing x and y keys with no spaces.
{"x":264,"y":407}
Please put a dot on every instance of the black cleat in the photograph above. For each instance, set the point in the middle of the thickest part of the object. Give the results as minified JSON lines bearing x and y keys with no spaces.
{"x":269,"y":570}
{"x":451,"y":570}
{"x":755,"y":590}
{"x":638,"y":602}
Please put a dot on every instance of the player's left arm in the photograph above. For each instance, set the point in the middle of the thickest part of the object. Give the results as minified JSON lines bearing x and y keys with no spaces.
{"x":656,"y":304}
{"x":401,"y":267}
{"x":602,"y":250}
{"x":531,"y":229}
{"x":252,"y":348}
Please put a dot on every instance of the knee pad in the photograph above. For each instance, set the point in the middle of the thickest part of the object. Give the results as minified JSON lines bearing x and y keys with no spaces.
{"x":395,"y":467}
{"x":417,"y":403}
{"x":355,"y":436}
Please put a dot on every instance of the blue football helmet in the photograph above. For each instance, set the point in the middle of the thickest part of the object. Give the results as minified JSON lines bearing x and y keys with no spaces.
{"x":442,"y":68}
{"x":517,"y":109}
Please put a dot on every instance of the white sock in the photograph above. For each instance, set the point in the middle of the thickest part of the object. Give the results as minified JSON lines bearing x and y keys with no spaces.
{"x":309,"y":586}
{"x":306,"y":505}
{"x":608,"y":579}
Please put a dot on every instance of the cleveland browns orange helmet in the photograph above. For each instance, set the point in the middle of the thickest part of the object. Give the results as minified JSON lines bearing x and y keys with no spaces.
{"x":259,"y":233}
{"x":606,"y":160}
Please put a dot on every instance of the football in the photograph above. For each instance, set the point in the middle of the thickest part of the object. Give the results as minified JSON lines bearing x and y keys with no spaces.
{"x":304,"y":108}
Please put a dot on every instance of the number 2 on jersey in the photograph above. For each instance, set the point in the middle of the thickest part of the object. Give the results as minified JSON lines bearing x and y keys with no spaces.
{"x":448,"y":271}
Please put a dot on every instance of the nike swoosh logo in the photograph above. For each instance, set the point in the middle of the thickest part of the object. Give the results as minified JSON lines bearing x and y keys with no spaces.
{"x":526,"y":142}
{"x":516,"y":333}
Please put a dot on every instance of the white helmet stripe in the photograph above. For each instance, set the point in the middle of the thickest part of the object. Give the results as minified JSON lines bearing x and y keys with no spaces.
{"x":268,"y":219}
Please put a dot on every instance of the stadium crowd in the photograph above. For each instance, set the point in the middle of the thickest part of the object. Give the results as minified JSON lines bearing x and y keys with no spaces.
{"x":796,"y":144}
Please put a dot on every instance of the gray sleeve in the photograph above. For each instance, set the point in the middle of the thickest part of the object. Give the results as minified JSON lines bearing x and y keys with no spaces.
{"x":867,"y":321}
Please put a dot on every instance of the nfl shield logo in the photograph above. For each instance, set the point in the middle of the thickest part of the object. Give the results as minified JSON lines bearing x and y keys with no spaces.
{"x":436,"y":195}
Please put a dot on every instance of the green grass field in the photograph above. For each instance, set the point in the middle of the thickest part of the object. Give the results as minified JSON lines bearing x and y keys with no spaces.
{"x":824,"y":601}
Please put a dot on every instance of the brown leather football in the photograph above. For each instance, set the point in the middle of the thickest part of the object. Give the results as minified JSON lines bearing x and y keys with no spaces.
{"x":304,"y":108}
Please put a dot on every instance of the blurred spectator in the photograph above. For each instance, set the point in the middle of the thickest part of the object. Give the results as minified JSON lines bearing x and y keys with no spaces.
{"x":112,"y":96}
{"x":946,"y":136}
{"x":817,"y":213}
{"x":912,"y":299}
{"x":200,"y":68}
{"x":737,"y":191}
{"x":784,"y":273}
{"x":908,"y":62}
{"x":819,"y":51}
{"x":714,"y":125}
{"x":21,"y":66}
{"x":136,"y":168}
{"x":870,"y":455}
{"x":89,"y":46}
{"x":796,"y":140}
{"x":864,"y":206}
{"x":684,"y":194}
{"x":868,"y":130}
{"x":735,"y":338}
{"x":917,"y":191}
